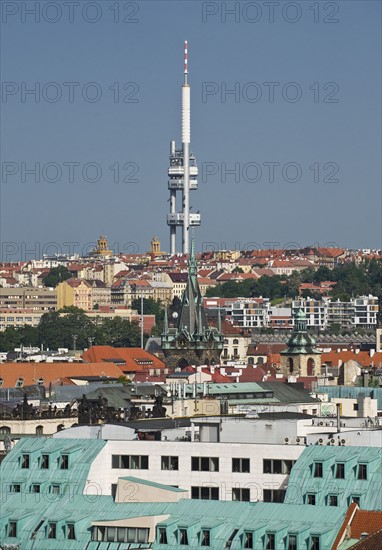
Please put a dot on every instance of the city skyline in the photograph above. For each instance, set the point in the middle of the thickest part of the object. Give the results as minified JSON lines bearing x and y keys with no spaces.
{"x":332,"y":131}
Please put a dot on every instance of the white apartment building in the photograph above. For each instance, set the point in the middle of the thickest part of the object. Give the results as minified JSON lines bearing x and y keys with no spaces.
{"x":207,"y":470}
{"x":358,"y":312}
{"x":249,"y":312}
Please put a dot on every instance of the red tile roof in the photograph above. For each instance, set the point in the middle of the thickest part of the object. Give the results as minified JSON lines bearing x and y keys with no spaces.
{"x":51,"y":372}
{"x":135,"y":359}
{"x":363,"y":358}
{"x":366,"y":521}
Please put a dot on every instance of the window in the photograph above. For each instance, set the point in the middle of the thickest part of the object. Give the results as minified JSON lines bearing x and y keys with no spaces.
{"x":270,"y":541}
{"x":204,"y":464}
{"x":274,"y":495}
{"x":317,"y":472}
{"x":5,"y":429}
{"x":240,"y":465}
{"x":355,"y":499}
{"x":314,"y":543}
{"x":52,"y":530}
{"x":120,"y":534}
{"x":355,"y":406}
{"x":39,"y":430}
{"x":248,"y":539}
{"x":55,"y":489}
{"x":12,"y":529}
{"x":205,"y":538}
{"x":340,"y":470}
{"x":333,"y":500}
{"x":276,"y":466}
{"x":170,"y":463}
{"x":15,"y":488}
{"x":183,"y":537}
{"x":64,"y":462}
{"x":241,"y":494}
{"x":205,"y":493}
{"x":25,"y":460}
{"x":20,"y":383}
{"x":133,"y":462}
{"x":70,"y":532}
{"x":311,"y":499}
{"x":36,"y":488}
{"x":162,"y":535}
{"x":292,"y":542}
{"x":362,"y":471}
{"x":44,"y":462}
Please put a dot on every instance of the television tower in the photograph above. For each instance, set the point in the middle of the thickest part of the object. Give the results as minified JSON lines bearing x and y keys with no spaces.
{"x":182,"y":173}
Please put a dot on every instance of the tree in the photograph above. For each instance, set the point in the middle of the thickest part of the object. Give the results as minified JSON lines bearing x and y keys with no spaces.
{"x":56,"y":275}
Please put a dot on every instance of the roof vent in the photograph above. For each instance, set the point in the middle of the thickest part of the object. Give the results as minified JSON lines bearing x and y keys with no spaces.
{"x":364,"y":535}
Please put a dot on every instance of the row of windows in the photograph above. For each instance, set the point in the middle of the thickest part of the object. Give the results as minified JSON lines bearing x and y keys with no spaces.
{"x":339,"y":470}
{"x":270,"y":539}
{"x":120,"y":534}
{"x":275,"y":466}
{"x":201,"y":464}
{"x":54,"y":488}
{"x":141,"y":535}
{"x":242,"y":494}
{"x":50,"y":531}
{"x":44,"y":461}
{"x":331,"y":500}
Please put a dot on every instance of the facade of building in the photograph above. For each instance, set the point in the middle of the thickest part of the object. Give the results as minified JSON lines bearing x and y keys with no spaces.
{"x":19,"y":317}
{"x":75,"y":292}
{"x":37,"y":299}
{"x":249,"y":312}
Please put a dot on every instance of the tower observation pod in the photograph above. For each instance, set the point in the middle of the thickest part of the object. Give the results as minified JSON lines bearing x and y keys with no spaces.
{"x":182,"y":173}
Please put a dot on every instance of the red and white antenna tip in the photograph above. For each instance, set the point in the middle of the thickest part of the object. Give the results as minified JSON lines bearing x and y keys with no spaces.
{"x":185,"y":57}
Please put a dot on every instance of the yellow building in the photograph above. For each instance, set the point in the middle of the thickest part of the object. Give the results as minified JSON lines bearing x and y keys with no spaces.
{"x":75,"y":292}
{"x":102,"y":247}
{"x":155,"y":247}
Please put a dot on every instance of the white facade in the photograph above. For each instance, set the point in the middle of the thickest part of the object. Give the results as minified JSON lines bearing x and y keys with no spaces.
{"x":248,"y":313}
{"x":102,"y":476}
{"x":358,"y":312}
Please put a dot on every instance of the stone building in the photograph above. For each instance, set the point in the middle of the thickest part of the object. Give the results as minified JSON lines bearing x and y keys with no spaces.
{"x":301,"y":358}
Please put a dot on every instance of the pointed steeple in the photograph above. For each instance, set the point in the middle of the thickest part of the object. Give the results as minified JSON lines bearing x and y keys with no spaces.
{"x":192,"y":263}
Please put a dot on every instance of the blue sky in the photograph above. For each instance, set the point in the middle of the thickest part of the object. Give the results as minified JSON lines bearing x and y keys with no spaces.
{"x":330,"y":56}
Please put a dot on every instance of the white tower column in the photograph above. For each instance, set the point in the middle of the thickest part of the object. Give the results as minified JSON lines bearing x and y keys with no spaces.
{"x":186,"y":138}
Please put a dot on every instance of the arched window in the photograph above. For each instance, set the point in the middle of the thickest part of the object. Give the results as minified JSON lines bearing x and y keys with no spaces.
{"x":310,"y":367}
{"x":290,"y":364}
{"x":40,"y":382}
{"x":5,"y":430}
{"x":39,"y":430}
{"x":20,"y":383}
{"x":1,"y":382}
{"x":60,"y":427}
{"x":235,"y":341}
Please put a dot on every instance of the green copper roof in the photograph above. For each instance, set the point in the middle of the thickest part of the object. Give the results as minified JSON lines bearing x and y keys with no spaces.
{"x":303,"y":480}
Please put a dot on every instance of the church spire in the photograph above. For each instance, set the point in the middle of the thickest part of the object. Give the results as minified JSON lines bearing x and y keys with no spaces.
{"x":192,"y":263}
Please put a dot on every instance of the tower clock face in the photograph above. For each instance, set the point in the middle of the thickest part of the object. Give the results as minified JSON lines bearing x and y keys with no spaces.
{"x":175,"y":315}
